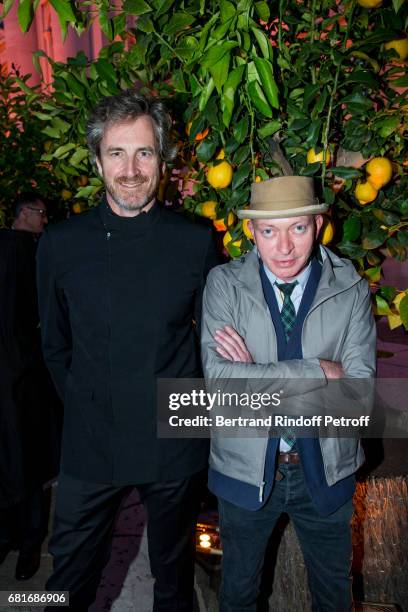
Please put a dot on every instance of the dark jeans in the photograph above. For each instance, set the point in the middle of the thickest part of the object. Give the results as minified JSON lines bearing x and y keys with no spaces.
{"x":84,"y":521}
{"x":325,"y":543}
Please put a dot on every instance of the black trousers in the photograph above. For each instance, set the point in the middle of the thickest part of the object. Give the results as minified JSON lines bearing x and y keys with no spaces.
{"x":24,"y":525}
{"x":84,"y":520}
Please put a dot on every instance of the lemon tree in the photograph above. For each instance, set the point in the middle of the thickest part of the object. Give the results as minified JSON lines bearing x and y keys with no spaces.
{"x":317,"y":89}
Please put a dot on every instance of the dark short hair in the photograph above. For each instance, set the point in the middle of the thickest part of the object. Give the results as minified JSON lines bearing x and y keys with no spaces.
{"x":128,"y":105}
{"x":25,"y":199}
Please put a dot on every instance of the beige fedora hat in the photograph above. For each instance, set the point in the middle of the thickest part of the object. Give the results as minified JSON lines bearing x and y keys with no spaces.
{"x":281,"y":197}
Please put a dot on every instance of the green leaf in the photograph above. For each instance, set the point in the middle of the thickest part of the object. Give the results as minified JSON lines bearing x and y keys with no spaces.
{"x":194,"y":85}
{"x":374,"y":274}
{"x":25,"y":14}
{"x":219,"y":71}
{"x":309,"y":93}
{"x":240,"y":175}
{"x":205,"y":94}
{"x":374,"y":239}
{"x":206,"y":150}
{"x":136,"y":7}
{"x":86,"y":192}
{"x":178,"y":81}
{"x":242,"y":154}
{"x":382,"y":306}
{"x":387,"y":292}
{"x":106,"y":24}
{"x":352,"y":250}
{"x":216,"y":53}
{"x":385,"y":216}
{"x":177,"y":23}
{"x":23,"y":86}
{"x":74,"y":85}
{"x":314,"y":132}
{"x":163,"y":7}
{"x":386,"y":126}
{"x":362,"y":77}
{"x":64,"y":11}
{"x":187,"y":47}
{"x":329,"y":196}
{"x":269,"y":128}
{"x":265,"y":72}
{"x":8,"y":5}
{"x":61,"y":125}
{"x":80,"y":154}
{"x":240,"y":130}
{"x":228,"y":94}
{"x":345,"y":172}
{"x":397,"y":4}
{"x":400,"y":82}
{"x":220,"y":32}
{"x":52,"y":132}
{"x":263,"y":11}
{"x":403,"y":311}
{"x":351,"y":229}
{"x":263,"y":42}
{"x":258,"y":98}
{"x":144,"y":24}
{"x":63,"y":150}
{"x":106,"y":72}
{"x":227,"y":9}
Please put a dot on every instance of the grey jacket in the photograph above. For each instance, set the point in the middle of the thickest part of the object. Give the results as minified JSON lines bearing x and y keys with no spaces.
{"x":339,"y":327}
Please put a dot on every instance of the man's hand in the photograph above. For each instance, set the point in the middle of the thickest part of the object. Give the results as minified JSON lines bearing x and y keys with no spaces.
{"x":331,"y":369}
{"x":231,"y":346}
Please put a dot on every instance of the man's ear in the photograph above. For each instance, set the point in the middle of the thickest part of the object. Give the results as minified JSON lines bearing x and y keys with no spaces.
{"x":319,"y":223}
{"x":99,"y":166}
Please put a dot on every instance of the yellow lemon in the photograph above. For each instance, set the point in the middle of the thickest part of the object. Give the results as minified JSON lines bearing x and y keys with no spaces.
{"x":246,"y":229}
{"x":228,"y":239}
{"x":400,"y":45}
{"x":82,"y":180}
{"x":312,"y":157}
{"x":370,"y":3}
{"x":208,"y":209}
{"x":77,"y":208}
{"x":66,"y":194}
{"x":220,"y":176}
{"x":221,"y":154}
{"x":379,"y":172}
{"x":327,"y":232}
{"x":365,"y":193}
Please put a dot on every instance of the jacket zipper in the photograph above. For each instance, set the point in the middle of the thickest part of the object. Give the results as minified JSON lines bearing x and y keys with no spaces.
{"x":261,"y":491}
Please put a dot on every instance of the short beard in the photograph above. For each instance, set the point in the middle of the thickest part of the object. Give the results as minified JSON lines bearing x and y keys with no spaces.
{"x":131,"y":205}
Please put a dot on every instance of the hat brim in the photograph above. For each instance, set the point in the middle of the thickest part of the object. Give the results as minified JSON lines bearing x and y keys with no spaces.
{"x":316,"y":209}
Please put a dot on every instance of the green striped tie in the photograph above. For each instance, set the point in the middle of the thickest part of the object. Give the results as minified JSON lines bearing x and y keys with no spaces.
{"x":288,"y":312}
{"x":288,"y":316}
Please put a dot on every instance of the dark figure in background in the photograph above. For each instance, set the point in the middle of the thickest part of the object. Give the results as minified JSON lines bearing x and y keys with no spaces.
{"x":120,"y":287}
{"x":28,"y":417}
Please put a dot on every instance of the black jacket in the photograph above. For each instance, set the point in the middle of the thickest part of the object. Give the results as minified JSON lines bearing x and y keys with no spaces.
{"x":118,"y":297}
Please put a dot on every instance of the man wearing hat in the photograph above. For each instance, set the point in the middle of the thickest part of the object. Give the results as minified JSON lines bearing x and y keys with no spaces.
{"x":290,"y":309}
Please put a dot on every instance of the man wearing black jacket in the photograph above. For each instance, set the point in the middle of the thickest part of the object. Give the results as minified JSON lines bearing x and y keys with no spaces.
{"x":119,"y":288}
